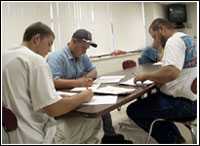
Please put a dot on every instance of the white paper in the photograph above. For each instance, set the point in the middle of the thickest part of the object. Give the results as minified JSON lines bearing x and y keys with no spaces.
{"x":79,"y":89}
{"x":109,"y":79}
{"x":113,"y":90}
{"x":65,"y":93}
{"x":158,"y":63}
{"x":96,"y":99}
{"x":130,"y":82}
{"x":101,"y":99}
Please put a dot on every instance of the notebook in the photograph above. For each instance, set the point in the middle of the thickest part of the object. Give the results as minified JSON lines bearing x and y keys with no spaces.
{"x":109,"y":79}
{"x":113,"y":90}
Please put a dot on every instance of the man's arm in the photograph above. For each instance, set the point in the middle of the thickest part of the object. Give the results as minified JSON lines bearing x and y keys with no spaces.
{"x":92,"y":74}
{"x":71,"y":83}
{"x":162,"y":76}
{"x":67,"y":104}
{"x":66,"y":83}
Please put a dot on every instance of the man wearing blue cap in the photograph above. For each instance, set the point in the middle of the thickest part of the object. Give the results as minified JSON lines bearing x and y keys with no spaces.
{"x":71,"y":67}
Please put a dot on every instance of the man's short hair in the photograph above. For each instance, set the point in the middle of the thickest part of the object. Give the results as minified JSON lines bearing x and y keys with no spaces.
{"x":37,"y":28}
{"x":157,"y":23}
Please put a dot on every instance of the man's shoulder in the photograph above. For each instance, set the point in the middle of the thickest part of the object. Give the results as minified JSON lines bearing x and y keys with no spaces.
{"x":176,"y":39}
{"x":58,"y":54}
{"x":178,"y":35}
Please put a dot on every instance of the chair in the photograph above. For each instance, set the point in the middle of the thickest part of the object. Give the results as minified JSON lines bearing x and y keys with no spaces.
{"x":128,"y":64}
{"x":188,"y":124}
{"x":9,"y":122}
{"x":194,"y":86}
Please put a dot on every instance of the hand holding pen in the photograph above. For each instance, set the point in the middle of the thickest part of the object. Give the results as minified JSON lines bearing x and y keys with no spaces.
{"x":86,"y":82}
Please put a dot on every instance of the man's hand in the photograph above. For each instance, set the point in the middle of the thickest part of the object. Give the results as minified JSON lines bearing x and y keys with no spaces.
{"x":85,"y":82}
{"x":87,"y":95}
{"x":140,"y":77}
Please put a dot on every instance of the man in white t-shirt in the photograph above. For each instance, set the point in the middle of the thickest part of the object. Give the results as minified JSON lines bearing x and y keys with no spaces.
{"x":28,"y":90}
{"x":175,"y":100}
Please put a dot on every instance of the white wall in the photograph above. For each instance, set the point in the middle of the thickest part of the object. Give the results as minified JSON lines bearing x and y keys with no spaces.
{"x":14,"y":23}
{"x":114,"y":25}
{"x":16,"y":17}
{"x":191,"y":25}
{"x":113,"y":64}
{"x":152,"y":11}
{"x":158,"y":10}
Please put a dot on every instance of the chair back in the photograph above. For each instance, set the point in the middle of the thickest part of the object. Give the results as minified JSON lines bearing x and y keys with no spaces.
{"x":194,"y":86}
{"x":128,"y":64}
{"x":9,"y":120}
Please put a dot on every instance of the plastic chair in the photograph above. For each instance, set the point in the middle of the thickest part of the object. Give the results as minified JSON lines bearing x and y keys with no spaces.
{"x":9,"y":122}
{"x":188,"y":124}
{"x":128,"y":64}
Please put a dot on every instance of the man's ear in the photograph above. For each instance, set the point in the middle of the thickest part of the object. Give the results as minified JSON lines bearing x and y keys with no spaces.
{"x":36,"y":39}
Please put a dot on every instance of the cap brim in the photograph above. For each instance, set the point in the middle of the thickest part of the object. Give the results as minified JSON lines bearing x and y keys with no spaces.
{"x":93,"y":44}
{"x":90,"y":42}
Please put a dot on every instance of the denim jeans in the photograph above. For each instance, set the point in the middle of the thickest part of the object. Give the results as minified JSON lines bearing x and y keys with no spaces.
{"x":159,"y":105}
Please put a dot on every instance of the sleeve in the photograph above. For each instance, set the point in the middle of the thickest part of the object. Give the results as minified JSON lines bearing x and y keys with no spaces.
{"x":42,"y":91}
{"x":174,"y":53}
{"x":55,"y":64}
{"x":88,"y":66}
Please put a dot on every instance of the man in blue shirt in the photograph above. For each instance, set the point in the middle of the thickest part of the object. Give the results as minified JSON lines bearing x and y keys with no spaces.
{"x":71,"y":67}
{"x":151,"y":54}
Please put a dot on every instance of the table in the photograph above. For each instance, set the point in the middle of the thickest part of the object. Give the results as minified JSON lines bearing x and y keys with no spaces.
{"x":92,"y":111}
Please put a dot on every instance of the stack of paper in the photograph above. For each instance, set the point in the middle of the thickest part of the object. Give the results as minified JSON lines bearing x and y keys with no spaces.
{"x":102,"y":99}
{"x":109,"y":79}
{"x":130,"y":82}
{"x":113,"y":90}
{"x":96,"y":99}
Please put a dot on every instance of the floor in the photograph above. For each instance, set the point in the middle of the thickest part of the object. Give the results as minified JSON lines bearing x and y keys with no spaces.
{"x":131,"y":131}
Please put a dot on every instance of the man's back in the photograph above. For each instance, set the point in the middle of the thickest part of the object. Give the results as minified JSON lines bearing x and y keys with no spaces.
{"x":21,"y":70}
{"x":182,"y":56}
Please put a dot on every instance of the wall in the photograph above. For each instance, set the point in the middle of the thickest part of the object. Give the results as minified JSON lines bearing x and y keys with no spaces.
{"x":16,"y":17}
{"x":114,"y":25}
{"x":158,"y":10}
{"x":152,"y":11}
{"x":113,"y":64}
{"x":191,"y":25}
{"x":11,"y":31}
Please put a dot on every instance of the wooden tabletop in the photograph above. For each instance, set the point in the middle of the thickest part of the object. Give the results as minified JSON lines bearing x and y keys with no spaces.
{"x":91,"y":111}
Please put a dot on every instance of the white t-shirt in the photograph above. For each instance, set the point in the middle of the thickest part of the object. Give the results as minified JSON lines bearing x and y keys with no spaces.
{"x":174,"y":54}
{"x":27,"y":88}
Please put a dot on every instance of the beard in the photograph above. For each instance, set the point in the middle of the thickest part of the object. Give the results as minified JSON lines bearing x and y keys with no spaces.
{"x":163,"y":41}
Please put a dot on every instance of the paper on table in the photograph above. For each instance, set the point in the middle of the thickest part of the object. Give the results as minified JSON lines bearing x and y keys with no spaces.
{"x":65,"y":93}
{"x":113,"y":90}
{"x":109,"y":79}
{"x":158,"y":63}
{"x":96,"y":99}
{"x":130,"y":82}
{"x":101,"y":99}
{"x":79,"y":89}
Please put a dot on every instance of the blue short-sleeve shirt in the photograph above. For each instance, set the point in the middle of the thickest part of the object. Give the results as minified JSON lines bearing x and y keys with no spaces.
{"x":64,"y":65}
